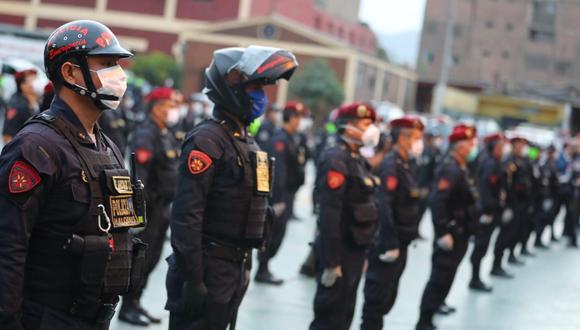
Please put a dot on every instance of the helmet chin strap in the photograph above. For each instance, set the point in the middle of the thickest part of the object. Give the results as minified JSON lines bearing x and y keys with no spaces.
{"x":90,"y":90}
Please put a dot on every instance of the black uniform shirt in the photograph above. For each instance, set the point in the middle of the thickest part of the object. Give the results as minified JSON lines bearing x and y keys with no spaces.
{"x":42,"y":190}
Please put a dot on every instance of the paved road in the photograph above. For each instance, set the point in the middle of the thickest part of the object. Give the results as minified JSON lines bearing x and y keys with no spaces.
{"x":544,"y":295}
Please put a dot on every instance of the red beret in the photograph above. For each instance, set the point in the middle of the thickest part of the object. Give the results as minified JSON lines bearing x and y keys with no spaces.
{"x":462,"y":132}
{"x":356,"y":111}
{"x":296,"y":108}
{"x":160,"y":93}
{"x":492,"y":138}
{"x":407,"y":122}
{"x":21,"y":75}
{"x":48,"y":88}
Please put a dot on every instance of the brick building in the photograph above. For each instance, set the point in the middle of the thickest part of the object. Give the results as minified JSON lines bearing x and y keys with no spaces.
{"x":192,"y":29}
{"x":502,"y":45}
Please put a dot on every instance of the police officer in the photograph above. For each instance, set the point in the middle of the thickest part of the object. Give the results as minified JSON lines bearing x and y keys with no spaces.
{"x":66,"y":200}
{"x":268,"y":126}
{"x":548,"y":192}
{"x":429,"y":161}
{"x":219,"y":210}
{"x":398,"y":200}
{"x":491,"y":188}
{"x":348,"y":217}
{"x":22,"y":105}
{"x":114,"y":124}
{"x":519,"y":185}
{"x":289,"y":176}
{"x":156,"y":157}
{"x":453,"y":207}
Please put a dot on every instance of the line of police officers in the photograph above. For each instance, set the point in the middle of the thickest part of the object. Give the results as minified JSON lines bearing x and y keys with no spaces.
{"x":71,"y":243}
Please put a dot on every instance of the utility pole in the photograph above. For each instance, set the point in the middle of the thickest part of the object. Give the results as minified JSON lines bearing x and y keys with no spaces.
{"x":439,"y":89}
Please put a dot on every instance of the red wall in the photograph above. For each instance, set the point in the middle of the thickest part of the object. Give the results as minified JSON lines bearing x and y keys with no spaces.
{"x":80,"y":3}
{"x":151,"y":7}
{"x":13,"y":20}
{"x":214,"y":10}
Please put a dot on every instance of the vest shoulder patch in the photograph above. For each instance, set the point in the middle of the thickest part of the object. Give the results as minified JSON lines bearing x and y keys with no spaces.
{"x":392,"y":183}
{"x":198,"y":162}
{"x":23,"y":177}
{"x":335,"y":179}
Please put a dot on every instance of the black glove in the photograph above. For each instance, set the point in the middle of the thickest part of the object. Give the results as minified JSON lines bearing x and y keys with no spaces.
{"x":193,"y":295}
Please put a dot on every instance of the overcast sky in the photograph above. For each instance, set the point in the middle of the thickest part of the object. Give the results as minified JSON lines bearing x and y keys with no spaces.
{"x":393,"y":16}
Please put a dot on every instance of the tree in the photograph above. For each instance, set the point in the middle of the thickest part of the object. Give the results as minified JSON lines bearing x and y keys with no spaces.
{"x":158,"y":69}
{"x":382,"y":54}
{"x":317,"y":86}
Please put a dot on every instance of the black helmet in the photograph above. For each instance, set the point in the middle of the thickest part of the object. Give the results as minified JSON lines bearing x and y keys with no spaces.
{"x":255,"y":64}
{"x":79,"y":39}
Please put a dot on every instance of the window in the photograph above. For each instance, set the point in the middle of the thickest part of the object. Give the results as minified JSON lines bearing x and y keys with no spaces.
{"x":455,"y":60}
{"x":317,"y":22}
{"x":486,"y":53}
{"x":563,"y":68}
{"x":505,"y":54}
{"x":432,"y":27}
{"x":543,"y":25}
{"x":340,"y":32}
{"x":537,"y":62}
{"x":489,"y":24}
{"x":509,"y":27}
{"x":457,"y":30}
{"x":428,"y":57}
{"x":330,"y":27}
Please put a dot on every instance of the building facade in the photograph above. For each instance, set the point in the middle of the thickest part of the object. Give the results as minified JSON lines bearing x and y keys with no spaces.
{"x":502,"y":45}
{"x":192,"y":29}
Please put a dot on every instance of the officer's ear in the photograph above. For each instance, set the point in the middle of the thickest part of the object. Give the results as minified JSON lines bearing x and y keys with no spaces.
{"x":70,"y":73}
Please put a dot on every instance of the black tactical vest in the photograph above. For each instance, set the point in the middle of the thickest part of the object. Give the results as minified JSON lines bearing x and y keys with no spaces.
{"x":98,"y":259}
{"x":237,"y":213}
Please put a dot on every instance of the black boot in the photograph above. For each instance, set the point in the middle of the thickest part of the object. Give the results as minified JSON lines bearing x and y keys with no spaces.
{"x":129,"y":313}
{"x":526,"y":253}
{"x":425,"y":322}
{"x":265,"y":277}
{"x":515,"y":261}
{"x":477,"y":285}
{"x":445,"y":309}
{"x":148,"y":316}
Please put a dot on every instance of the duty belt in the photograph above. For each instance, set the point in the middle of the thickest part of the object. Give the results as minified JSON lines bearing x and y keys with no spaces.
{"x":225,"y":252}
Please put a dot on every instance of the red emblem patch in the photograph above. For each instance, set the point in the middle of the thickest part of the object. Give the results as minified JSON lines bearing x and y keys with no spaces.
{"x":198,"y":162}
{"x":280,"y":146}
{"x":334,"y":179}
{"x":443,"y":184}
{"x":11,"y":113}
{"x":143,"y":156}
{"x":392,"y":183}
{"x":493,"y":179}
{"x":22,"y":178}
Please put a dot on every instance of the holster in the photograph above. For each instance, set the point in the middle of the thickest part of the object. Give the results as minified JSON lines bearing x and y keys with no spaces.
{"x":138,"y":265}
{"x":93,"y":266}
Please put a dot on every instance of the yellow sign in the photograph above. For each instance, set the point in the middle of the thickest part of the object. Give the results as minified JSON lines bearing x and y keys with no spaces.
{"x":123,"y":212}
{"x":122,"y":184}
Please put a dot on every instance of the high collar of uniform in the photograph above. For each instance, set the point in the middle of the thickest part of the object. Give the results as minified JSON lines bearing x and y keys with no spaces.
{"x":62,"y":110}
{"x":235,"y":127}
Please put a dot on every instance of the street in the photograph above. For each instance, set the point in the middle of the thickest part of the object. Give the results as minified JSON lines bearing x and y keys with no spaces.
{"x":543,"y":296}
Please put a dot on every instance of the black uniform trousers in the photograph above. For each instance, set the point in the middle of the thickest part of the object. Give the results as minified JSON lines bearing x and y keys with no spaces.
{"x":278,"y":230}
{"x":571,"y":217}
{"x":504,"y":240}
{"x":158,"y":214}
{"x":443,"y":269}
{"x":381,"y":287}
{"x":520,"y":223}
{"x":481,"y":242}
{"x":226,"y":284}
{"x":334,"y":306}
{"x":40,"y":317}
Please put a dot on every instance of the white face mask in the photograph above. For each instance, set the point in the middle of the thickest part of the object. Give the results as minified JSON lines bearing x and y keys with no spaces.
{"x":417,"y":148}
{"x":172,"y":117}
{"x":525,"y":151}
{"x":305,"y":125}
{"x":114,"y":82}
{"x":371,"y":136}
{"x":506,"y":151}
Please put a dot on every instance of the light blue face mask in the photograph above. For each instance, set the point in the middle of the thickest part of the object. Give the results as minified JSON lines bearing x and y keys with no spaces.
{"x":259,"y":103}
{"x":472,"y":154}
